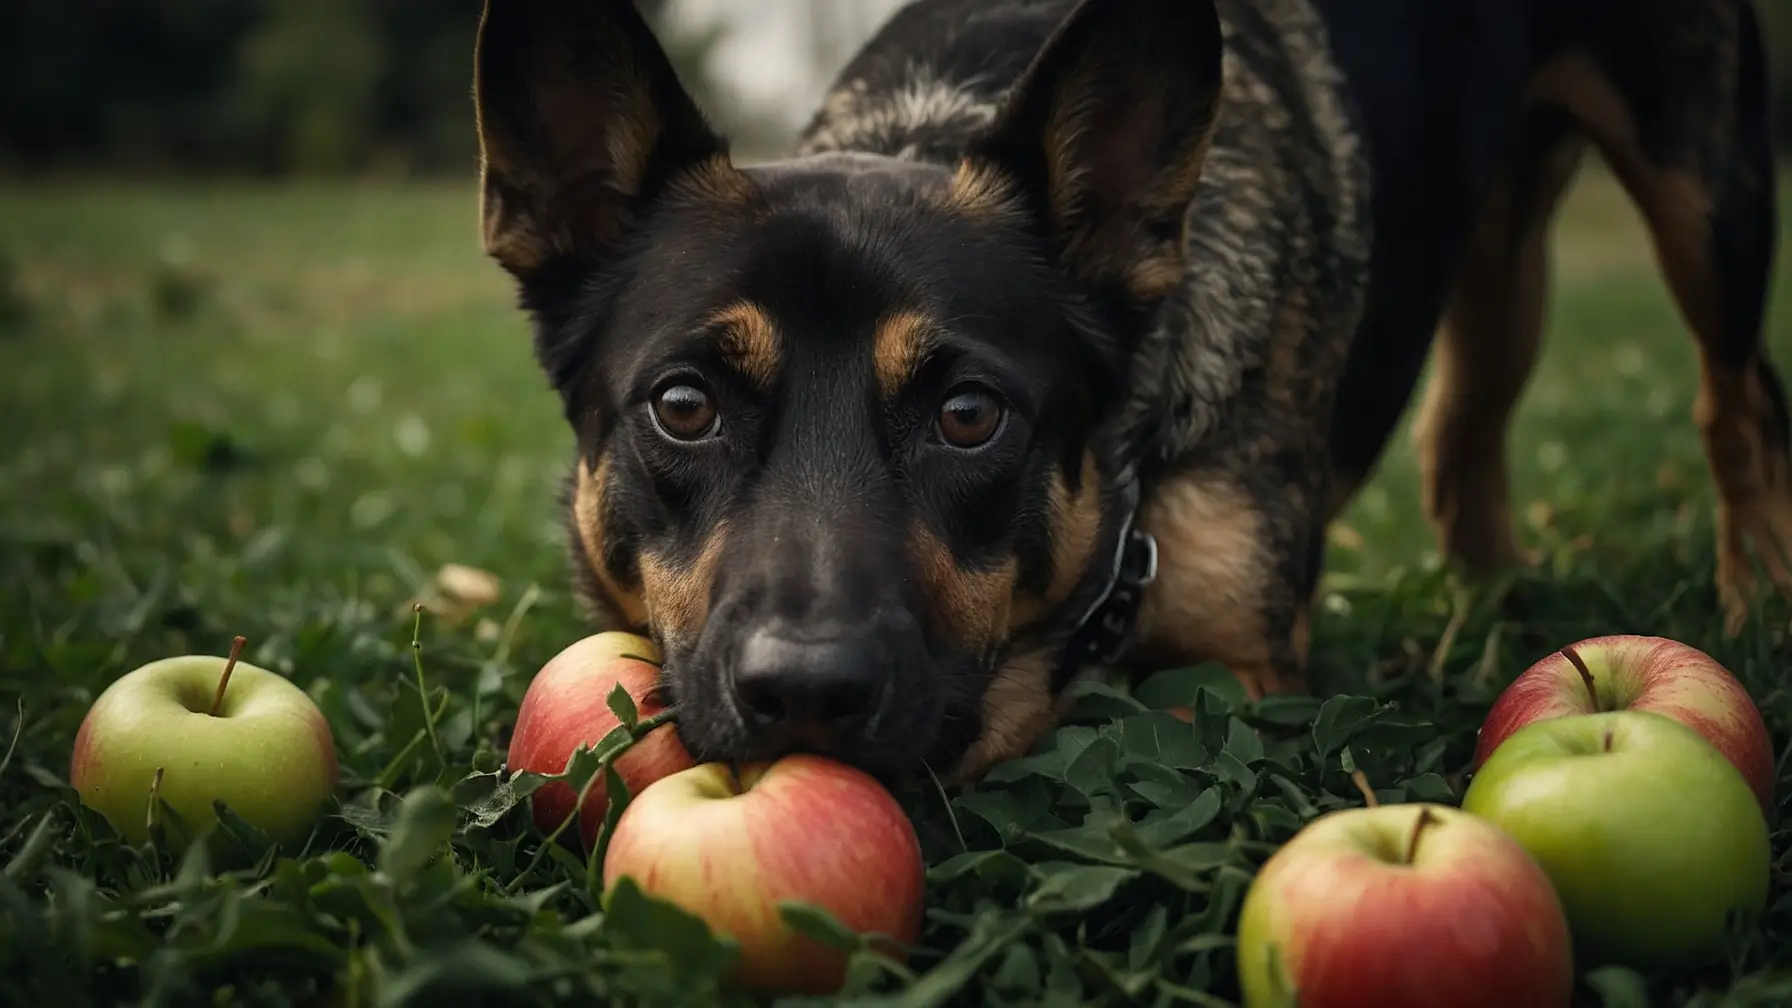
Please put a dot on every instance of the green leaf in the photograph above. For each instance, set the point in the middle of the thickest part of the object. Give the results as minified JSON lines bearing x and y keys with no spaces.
{"x":623,"y":706}
{"x":1286,"y":710}
{"x":424,"y":824}
{"x":1092,"y":772}
{"x":1161,"y":786}
{"x":1618,"y":987}
{"x":1429,"y":787}
{"x":990,"y":866}
{"x":1341,"y":718}
{"x":1077,"y":889}
{"x":636,"y":920}
{"x":1089,"y":841}
{"x":1164,"y":830}
{"x":459,"y":973}
{"x":820,"y":924}
{"x":241,"y":837}
{"x":1242,"y":742}
{"x":1177,"y":687}
{"x":1000,"y":810}
{"x":990,"y":935}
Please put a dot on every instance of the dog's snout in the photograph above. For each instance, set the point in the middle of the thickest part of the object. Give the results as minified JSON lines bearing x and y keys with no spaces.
{"x":809,"y":691}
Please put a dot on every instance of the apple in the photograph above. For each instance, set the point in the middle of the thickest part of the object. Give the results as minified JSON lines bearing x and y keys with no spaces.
{"x":804,"y":828}
{"x":1631,"y":672}
{"x":213,"y":729}
{"x":567,"y":705}
{"x":1650,"y":835}
{"x":1403,"y":905}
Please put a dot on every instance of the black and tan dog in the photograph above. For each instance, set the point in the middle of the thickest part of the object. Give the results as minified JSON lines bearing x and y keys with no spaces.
{"x":884,"y":442}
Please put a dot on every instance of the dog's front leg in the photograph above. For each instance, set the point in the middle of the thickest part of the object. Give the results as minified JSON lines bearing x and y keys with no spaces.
{"x":1231,"y":565}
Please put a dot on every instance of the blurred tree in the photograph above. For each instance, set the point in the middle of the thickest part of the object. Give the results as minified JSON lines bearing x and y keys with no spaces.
{"x":1776,"y":21}
{"x":305,"y":86}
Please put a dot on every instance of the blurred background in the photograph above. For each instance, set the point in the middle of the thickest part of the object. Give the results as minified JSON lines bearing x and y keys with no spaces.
{"x":334,"y":87}
{"x":381,"y":86}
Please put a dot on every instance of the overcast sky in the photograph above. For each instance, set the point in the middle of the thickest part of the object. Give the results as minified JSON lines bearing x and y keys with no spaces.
{"x":770,"y":54}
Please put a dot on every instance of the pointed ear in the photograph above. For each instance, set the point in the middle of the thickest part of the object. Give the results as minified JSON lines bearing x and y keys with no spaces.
{"x":1104,"y":137}
{"x":582,"y":119}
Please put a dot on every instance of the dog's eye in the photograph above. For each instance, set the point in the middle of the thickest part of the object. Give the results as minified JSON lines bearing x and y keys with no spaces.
{"x":686,"y":413}
{"x":969,"y":417}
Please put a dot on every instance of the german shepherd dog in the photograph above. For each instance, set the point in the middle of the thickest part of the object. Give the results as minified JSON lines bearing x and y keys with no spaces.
{"x":1069,"y":326}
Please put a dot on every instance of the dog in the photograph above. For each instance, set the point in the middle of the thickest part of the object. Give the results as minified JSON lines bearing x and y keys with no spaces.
{"x":1067,"y":327}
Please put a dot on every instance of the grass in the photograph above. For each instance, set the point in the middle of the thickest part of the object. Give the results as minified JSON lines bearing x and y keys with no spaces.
{"x":278,"y":411}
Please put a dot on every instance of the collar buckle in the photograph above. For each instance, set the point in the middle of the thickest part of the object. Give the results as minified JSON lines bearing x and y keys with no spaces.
{"x":1106,"y":630}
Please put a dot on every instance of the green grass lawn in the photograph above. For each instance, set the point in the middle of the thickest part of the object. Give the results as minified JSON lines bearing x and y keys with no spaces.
{"x":278,"y":411}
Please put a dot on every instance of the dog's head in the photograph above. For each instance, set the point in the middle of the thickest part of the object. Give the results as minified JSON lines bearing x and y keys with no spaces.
{"x":846,"y":423}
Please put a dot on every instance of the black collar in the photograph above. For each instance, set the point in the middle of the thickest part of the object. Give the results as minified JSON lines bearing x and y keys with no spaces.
{"x":1106,"y":628}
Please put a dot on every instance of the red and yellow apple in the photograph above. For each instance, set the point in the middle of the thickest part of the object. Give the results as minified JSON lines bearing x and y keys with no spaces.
{"x":567,"y":705}
{"x":804,"y":828}
{"x":1631,"y":672}
{"x":217,"y":729}
{"x":1403,"y":906}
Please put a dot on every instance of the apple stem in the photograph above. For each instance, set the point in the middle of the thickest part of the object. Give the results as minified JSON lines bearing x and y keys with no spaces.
{"x":1426,"y":818}
{"x":1586,"y":674}
{"x":1361,"y":781}
{"x":236,"y":651}
{"x":1608,"y":740}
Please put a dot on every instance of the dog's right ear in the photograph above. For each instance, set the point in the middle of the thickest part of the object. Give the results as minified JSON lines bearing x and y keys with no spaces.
{"x":582,"y":120}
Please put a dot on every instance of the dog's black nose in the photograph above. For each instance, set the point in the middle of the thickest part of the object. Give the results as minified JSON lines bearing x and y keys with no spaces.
{"x":801,"y":690}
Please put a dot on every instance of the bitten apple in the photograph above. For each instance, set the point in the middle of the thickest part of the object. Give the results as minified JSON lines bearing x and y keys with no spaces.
{"x":219,"y":729}
{"x":1650,"y":835}
{"x":1630,"y":672}
{"x":804,"y":828}
{"x":1403,"y":906}
{"x":567,"y":705}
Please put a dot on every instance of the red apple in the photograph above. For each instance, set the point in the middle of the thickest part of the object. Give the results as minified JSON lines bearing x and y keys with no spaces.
{"x":1631,"y":672}
{"x":1403,"y":906}
{"x":804,"y":828}
{"x":568,"y":705}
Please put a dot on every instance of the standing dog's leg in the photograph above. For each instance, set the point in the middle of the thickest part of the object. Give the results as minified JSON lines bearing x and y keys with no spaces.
{"x":1486,"y":347}
{"x":1233,"y":580}
{"x":1686,"y":133}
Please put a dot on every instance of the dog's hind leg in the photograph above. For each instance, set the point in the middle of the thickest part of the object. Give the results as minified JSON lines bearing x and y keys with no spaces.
{"x":1486,"y":346}
{"x":1678,"y":107}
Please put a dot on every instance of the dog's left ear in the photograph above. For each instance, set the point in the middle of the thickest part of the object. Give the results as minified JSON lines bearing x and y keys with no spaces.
{"x":582,"y":120}
{"x":1104,"y":137}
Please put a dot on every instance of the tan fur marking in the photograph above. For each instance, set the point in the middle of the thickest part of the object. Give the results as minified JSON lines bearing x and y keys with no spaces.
{"x":749,"y":341}
{"x":588,"y":518}
{"x":1018,"y":709}
{"x":969,"y":608}
{"x":979,"y":190}
{"x":1206,"y":603}
{"x":678,"y":597}
{"x":902,"y":340}
{"x":714,"y":180}
{"x":1075,"y":529}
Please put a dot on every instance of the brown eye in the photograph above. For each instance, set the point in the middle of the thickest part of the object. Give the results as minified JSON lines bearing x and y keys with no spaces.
{"x":686,"y":412}
{"x":969,"y":418}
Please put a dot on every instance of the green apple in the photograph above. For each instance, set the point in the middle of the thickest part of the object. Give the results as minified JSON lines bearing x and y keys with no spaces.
{"x":1651,"y":837}
{"x":216,"y":728}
